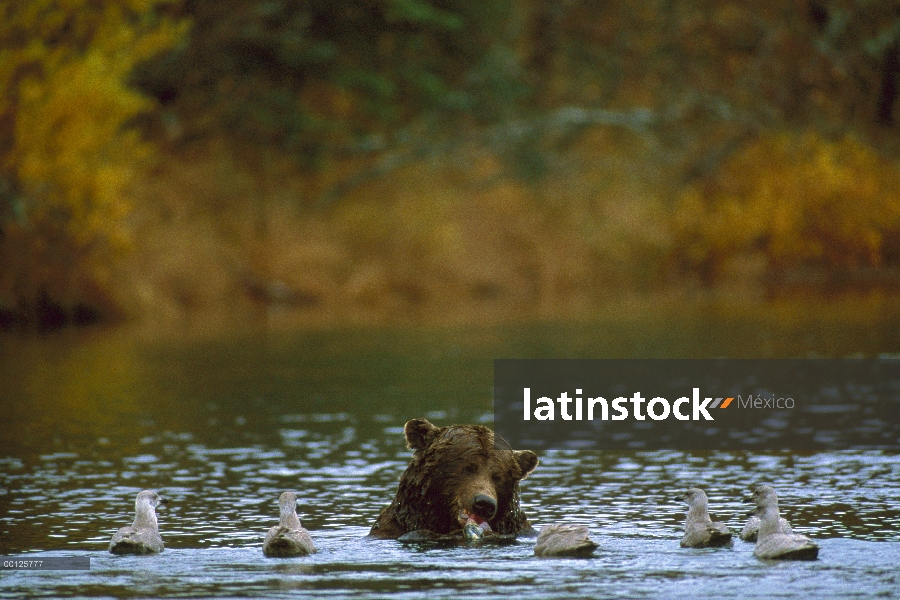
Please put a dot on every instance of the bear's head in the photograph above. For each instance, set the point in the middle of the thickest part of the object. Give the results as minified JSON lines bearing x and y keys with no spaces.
{"x":460,"y":473}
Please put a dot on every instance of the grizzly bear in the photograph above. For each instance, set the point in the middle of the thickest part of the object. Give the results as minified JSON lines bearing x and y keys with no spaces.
{"x":457,"y":474}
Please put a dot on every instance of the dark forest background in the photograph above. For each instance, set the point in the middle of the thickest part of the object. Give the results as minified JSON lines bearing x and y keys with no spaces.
{"x":378,"y":158}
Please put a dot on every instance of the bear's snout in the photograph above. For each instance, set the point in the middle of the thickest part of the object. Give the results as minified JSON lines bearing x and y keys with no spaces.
{"x":484,"y":506}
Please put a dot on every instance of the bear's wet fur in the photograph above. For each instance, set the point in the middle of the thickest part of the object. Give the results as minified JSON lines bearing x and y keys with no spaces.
{"x":457,"y":473}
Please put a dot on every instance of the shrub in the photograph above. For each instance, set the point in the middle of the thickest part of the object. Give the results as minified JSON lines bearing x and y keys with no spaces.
{"x":800,"y":200}
{"x":68,"y":157}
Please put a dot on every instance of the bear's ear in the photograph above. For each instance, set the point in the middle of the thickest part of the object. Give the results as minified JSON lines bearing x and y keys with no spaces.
{"x":417,"y":433}
{"x":527,"y":460}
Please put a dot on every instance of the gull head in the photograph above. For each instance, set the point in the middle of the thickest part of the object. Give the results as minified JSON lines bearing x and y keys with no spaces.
{"x":695,"y":497}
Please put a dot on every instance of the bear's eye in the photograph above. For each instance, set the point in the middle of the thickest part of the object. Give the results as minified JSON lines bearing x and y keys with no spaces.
{"x":496,"y":477}
{"x":470,"y":469}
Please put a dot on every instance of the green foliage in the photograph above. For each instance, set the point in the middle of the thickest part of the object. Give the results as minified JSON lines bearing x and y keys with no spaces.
{"x":366,"y":78}
{"x":318,"y":76}
{"x":68,"y":157}
{"x":422,"y":13}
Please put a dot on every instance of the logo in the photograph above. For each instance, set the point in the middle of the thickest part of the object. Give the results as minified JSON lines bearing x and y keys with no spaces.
{"x":698,"y":404}
{"x":657,"y":409}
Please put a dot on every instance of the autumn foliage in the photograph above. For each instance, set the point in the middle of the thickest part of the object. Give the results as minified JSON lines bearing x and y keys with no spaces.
{"x":801,"y":201}
{"x":68,"y":156}
{"x":175,"y":157}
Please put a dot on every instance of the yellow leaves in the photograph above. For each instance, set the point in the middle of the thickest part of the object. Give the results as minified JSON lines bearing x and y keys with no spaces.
{"x":801,"y":200}
{"x":64,"y":67}
{"x":70,"y":151}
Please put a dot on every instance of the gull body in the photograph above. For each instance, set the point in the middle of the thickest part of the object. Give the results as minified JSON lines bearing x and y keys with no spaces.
{"x":142,"y":536}
{"x":699,"y":529}
{"x":772,"y":543}
{"x":751,"y":529}
{"x":560,"y":539}
{"x":288,"y":538}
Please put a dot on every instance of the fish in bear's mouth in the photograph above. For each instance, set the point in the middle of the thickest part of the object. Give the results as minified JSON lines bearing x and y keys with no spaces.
{"x":474,"y":526}
{"x":470,"y":517}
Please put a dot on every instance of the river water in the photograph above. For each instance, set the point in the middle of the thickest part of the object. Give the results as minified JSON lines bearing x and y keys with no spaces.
{"x":220,"y":425}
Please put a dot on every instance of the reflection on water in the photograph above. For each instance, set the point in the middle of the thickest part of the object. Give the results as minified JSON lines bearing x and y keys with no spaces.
{"x":221,"y":427}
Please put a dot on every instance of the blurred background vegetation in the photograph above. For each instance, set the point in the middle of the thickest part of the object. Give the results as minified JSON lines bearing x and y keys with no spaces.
{"x":385,"y":158}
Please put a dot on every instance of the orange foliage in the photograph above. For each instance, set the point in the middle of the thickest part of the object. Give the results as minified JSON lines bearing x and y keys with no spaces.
{"x":800,"y":200}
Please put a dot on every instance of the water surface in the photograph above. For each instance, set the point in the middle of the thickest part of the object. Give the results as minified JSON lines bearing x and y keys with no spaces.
{"x":222,"y":425}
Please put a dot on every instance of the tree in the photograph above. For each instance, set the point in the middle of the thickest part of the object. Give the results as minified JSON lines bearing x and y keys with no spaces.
{"x":68,"y":155}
